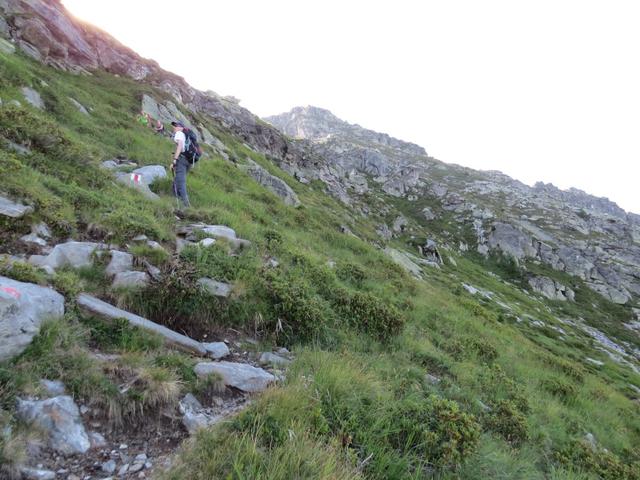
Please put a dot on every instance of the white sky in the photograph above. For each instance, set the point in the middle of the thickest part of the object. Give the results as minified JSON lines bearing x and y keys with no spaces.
{"x":540,"y":89}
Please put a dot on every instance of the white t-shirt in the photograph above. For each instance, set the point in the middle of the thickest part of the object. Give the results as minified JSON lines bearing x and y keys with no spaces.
{"x":180,"y":136}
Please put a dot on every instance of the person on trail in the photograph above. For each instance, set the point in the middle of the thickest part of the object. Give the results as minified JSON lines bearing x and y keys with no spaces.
{"x":180,"y":165}
{"x":159,"y":128}
{"x":143,"y":118}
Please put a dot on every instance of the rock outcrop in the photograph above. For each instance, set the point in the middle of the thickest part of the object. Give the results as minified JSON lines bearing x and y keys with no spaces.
{"x":23,"y":308}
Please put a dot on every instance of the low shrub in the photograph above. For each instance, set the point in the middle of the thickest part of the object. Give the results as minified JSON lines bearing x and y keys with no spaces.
{"x":506,"y":420}
{"x":601,"y":462}
{"x":368,"y":313}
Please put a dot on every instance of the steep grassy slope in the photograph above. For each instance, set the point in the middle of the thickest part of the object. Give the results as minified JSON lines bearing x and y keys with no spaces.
{"x":506,"y":398}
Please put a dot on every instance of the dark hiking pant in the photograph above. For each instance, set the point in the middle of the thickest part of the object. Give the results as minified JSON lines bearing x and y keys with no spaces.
{"x":180,"y":180}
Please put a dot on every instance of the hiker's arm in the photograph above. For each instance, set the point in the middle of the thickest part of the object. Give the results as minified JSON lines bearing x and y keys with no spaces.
{"x":179,"y":148}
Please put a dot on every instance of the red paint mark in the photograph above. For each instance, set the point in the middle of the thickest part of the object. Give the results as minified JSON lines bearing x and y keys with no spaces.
{"x":11,"y":291}
{"x":136,"y":178}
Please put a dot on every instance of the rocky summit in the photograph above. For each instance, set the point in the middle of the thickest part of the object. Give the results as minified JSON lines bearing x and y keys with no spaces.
{"x":570,"y":231}
{"x":336,"y":304}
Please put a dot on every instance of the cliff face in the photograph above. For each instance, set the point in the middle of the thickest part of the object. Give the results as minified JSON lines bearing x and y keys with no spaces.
{"x":571,"y":231}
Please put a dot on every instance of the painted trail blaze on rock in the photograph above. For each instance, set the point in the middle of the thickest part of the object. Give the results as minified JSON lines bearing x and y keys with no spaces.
{"x":23,"y":308}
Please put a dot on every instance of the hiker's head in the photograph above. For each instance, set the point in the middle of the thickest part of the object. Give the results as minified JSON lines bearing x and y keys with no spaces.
{"x":177,"y":125}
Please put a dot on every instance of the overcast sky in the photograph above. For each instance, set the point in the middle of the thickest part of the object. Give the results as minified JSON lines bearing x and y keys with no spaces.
{"x":541,"y":90}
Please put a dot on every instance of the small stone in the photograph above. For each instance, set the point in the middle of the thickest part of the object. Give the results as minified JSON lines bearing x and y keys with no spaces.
{"x":123,"y":446}
{"x":37,"y":473}
{"x":109,"y":467}
{"x":84,"y":409}
{"x":123,"y":470}
{"x":136,"y":467}
{"x":595,"y":362}
{"x":207,"y":242}
{"x":152,"y":244}
{"x":33,"y":240}
{"x":140,"y":238}
{"x":216,"y":350}
{"x":140,"y":458}
{"x":282,"y":351}
{"x":268,"y":358}
{"x":148,"y":465}
{"x":433,"y":380}
{"x":41,"y":230}
{"x":97,"y":440}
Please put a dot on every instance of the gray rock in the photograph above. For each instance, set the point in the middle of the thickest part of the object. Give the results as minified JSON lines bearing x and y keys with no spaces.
{"x":151,"y":173}
{"x":194,"y":421}
{"x":181,"y":244}
{"x":131,"y":279}
{"x":405,"y":261}
{"x":207,"y":242}
{"x":32,"y":239}
{"x":97,"y":440}
{"x":137,"y":182}
{"x":32,"y":97}
{"x":135,"y":468}
{"x":120,"y":262}
{"x":209,"y":139}
{"x":593,"y":361}
{"x":268,"y":358}
{"x":189,"y":402}
{"x":551,"y":289}
{"x":123,"y":470}
{"x":109,"y":165}
{"x":384,"y":232}
{"x":273,"y":184}
{"x":510,"y":241}
{"x":41,"y":230}
{"x":37,"y":474}
{"x":428,"y":214}
{"x":399,"y":224}
{"x":19,"y":149}
{"x":79,"y":106}
{"x":217,"y":350}
{"x":432,"y":379}
{"x":103,"y":309}
{"x":238,"y":375}
{"x":215,"y":288}
{"x":6,"y":47}
{"x":108,"y":467}
{"x":23,"y":308}
{"x":60,"y":419}
{"x":53,"y":388}
{"x":70,"y":254}
{"x":13,"y":209}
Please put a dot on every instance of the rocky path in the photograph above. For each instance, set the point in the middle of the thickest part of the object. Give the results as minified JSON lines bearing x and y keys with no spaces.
{"x":77,"y":441}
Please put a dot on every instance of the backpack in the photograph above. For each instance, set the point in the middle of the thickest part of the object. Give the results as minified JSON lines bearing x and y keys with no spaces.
{"x":192,"y":150}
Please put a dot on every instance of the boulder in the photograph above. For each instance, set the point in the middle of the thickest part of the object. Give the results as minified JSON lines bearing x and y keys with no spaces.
{"x":428,"y":214}
{"x":207,"y":242}
{"x":510,"y":241}
{"x":551,"y":289}
{"x":32,"y":239}
{"x":59,"y":418}
{"x":70,"y":254}
{"x":41,"y":230}
{"x":216,"y":350}
{"x":194,"y":415}
{"x":151,"y":173}
{"x":131,"y":279}
{"x":215,"y":288}
{"x":405,"y":261}
{"x":238,"y":375}
{"x":273,"y":184}
{"x":136,"y":181}
{"x":209,"y":139}
{"x":12,"y":209}
{"x":33,"y":97}
{"x":399,"y":224}
{"x":120,"y":262}
{"x":23,"y":308}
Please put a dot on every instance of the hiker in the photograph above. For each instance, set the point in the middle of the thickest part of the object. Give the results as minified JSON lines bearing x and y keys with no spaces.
{"x":180,"y":165}
{"x":159,"y":128}
{"x":143,"y":118}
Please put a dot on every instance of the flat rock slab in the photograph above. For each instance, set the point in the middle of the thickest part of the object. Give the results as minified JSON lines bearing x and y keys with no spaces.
{"x":59,"y":417}
{"x":70,"y":254}
{"x":105,"y":310}
{"x":23,"y":308}
{"x":273,"y":184}
{"x":268,"y":358}
{"x":12,"y":209}
{"x":33,"y":97}
{"x":238,"y":375}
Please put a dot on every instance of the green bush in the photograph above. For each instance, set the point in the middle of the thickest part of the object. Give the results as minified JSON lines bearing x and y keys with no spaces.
{"x":506,"y":420}
{"x":351,"y":272}
{"x":560,"y":388}
{"x":21,"y":271}
{"x":607,"y":465}
{"x":435,"y":428}
{"x":368,"y":313}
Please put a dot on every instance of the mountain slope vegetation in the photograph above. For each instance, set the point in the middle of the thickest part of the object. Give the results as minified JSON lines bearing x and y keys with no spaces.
{"x":456,"y":371}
